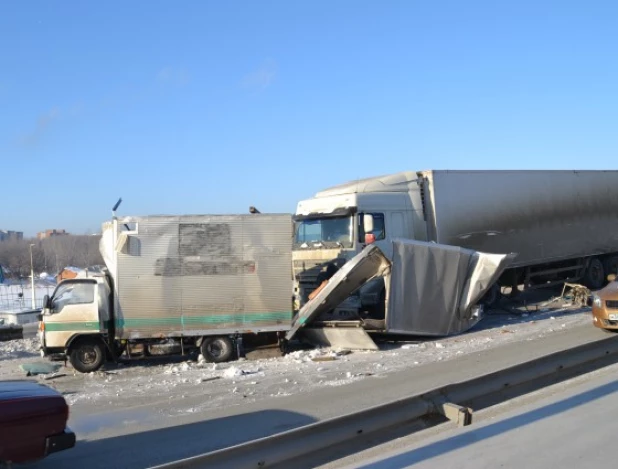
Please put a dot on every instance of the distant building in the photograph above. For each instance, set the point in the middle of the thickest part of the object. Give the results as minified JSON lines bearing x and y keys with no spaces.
{"x":50,"y":233}
{"x":6,"y":235}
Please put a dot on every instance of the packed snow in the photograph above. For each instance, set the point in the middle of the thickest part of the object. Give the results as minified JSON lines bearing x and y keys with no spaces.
{"x":171,"y":379}
{"x":23,"y":348}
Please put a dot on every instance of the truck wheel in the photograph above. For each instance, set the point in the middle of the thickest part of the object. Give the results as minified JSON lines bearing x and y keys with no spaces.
{"x":217,"y":349}
{"x":87,"y":355}
{"x":492,"y":296}
{"x":611,"y":265}
{"x":595,"y":274}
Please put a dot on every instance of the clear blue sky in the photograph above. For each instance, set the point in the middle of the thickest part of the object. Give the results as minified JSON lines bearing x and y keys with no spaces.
{"x":210,"y":107}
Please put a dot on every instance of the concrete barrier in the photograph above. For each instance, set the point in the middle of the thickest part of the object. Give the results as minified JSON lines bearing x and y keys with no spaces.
{"x":450,"y":400}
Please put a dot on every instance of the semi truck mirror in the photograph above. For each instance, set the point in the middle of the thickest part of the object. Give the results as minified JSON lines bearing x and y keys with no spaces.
{"x":46,"y":302}
{"x":370,"y":238}
{"x":368,"y":222}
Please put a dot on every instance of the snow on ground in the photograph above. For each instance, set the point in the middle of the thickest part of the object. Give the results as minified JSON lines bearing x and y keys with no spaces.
{"x":173,"y":379}
{"x":25,"y":348}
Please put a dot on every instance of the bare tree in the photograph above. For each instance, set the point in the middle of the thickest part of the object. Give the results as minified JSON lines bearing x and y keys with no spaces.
{"x":51,"y":254}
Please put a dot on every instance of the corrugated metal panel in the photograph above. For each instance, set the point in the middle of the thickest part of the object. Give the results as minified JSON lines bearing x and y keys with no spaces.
{"x":188,"y":274}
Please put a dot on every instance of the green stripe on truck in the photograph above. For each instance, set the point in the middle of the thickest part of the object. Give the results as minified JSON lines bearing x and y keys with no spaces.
{"x":250,"y":318}
{"x":71,"y":326}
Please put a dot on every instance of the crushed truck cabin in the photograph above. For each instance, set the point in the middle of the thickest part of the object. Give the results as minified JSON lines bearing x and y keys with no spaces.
{"x":431,"y":290}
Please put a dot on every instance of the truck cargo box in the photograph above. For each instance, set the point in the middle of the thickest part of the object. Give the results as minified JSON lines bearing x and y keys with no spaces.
{"x":192,"y":275}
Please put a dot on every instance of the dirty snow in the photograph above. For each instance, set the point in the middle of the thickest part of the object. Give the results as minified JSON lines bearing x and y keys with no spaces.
{"x":22,"y":348}
{"x":171,"y":380}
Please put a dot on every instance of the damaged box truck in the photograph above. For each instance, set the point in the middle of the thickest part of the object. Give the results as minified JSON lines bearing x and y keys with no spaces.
{"x":561,"y":224}
{"x":175,"y":283}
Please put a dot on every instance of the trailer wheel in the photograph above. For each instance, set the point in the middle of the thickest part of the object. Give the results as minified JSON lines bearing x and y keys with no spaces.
{"x":611,"y":265}
{"x":87,"y":355}
{"x":595,"y":274}
{"x":217,"y":349}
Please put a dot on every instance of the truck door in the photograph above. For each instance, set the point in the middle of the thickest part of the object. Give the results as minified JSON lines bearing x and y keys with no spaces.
{"x":375,"y":234}
{"x":74,"y":309}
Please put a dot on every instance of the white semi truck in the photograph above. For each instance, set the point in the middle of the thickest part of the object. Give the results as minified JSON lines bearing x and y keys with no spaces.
{"x":175,"y":283}
{"x":562,"y":225}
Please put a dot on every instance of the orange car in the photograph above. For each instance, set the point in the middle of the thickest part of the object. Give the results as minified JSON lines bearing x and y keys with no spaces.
{"x":605,"y":305}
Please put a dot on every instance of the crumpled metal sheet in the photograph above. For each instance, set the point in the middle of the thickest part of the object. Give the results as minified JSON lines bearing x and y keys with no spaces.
{"x":366,"y":265}
{"x":434,"y":288}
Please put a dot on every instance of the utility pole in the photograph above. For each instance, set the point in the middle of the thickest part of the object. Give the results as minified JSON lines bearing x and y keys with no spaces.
{"x":32,"y":278}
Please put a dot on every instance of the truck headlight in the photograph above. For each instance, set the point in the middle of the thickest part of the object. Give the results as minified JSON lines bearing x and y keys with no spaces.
{"x":596,"y":301}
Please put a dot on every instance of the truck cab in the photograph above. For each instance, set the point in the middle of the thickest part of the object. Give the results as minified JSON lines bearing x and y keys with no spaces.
{"x":75,"y":322}
{"x":338,"y":223}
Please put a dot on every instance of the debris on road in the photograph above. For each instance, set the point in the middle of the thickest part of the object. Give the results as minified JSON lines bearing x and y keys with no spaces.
{"x":327,"y":358}
{"x":54,"y":376}
{"x":40,"y":368}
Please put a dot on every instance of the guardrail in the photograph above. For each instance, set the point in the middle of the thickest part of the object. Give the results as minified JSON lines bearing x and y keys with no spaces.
{"x":450,"y":401}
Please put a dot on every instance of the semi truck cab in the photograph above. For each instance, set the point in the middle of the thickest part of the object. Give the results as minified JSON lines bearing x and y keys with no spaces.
{"x":338,"y":223}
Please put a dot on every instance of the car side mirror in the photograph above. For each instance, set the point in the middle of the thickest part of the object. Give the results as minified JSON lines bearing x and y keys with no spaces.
{"x":368,"y":222}
{"x":611,"y":277}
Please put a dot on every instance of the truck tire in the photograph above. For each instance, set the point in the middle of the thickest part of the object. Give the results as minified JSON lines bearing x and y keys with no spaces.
{"x":493,"y":296}
{"x":595,"y":274}
{"x":217,"y":349}
{"x":87,"y":355}
{"x":611,"y":265}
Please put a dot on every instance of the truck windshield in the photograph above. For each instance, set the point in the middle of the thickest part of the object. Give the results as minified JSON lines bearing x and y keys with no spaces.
{"x":72,"y":294}
{"x":331,"y":230}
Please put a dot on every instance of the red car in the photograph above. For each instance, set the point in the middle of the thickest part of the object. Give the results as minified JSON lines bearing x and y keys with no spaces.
{"x":33,"y":422}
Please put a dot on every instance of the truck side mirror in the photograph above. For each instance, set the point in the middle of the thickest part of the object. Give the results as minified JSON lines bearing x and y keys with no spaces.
{"x":368,"y":222}
{"x":46,"y":302}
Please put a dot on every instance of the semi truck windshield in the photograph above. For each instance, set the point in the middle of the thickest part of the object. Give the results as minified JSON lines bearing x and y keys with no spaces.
{"x":331,"y":230}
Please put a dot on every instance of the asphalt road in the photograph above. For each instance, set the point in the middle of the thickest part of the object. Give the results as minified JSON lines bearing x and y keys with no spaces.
{"x":141,"y":436}
{"x":572,"y":427}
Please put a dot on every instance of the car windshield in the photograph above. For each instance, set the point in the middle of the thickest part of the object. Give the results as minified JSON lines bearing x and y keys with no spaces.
{"x":335,"y":230}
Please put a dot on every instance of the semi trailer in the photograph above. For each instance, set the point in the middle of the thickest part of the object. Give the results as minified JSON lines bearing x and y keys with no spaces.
{"x":561,"y":225}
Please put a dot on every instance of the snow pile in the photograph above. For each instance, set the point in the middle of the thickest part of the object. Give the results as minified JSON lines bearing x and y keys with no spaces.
{"x":21,"y":348}
{"x":177,"y":369}
{"x":233,"y":372}
{"x":319,"y":354}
